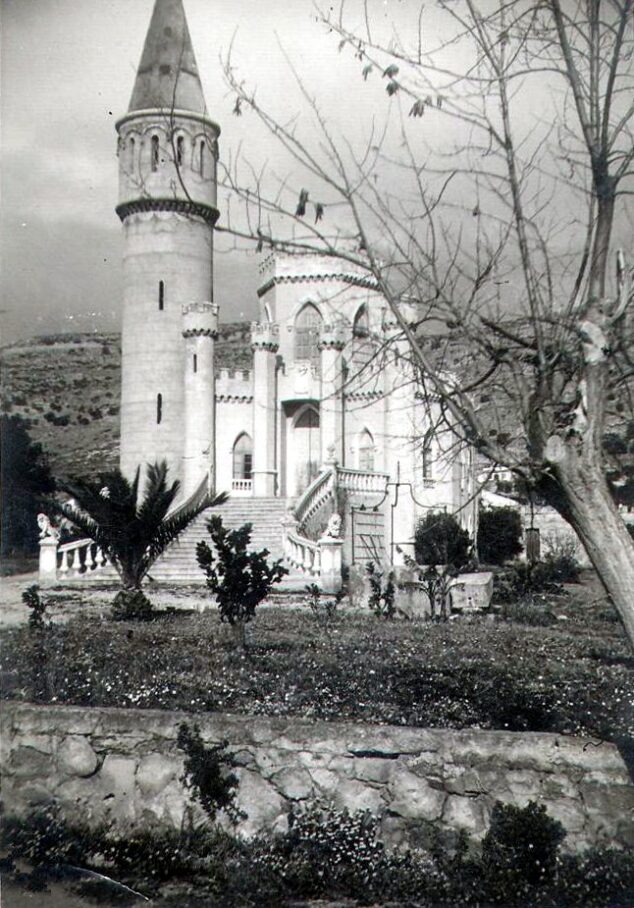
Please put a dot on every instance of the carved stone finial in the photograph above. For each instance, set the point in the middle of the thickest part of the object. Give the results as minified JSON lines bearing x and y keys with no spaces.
{"x":333,"y":530}
{"x":47,"y":529}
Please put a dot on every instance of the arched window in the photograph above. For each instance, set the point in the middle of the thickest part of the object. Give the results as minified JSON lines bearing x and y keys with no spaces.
{"x":243,"y":457}
{"x":202,"y":158}
{"x":159,"y":409}
{"x":155,"y":153}
{"x":180,"y":148}
{"x":131,"y":152}
{"x":362,"y":348}
{"x":366,"y":451}
{"x":307,"y":329}
{"x":161,"y":296}
{"x":428,"y":455}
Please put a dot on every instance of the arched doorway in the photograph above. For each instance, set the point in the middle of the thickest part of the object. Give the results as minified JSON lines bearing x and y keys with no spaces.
{"x":304,"y":449}
{"x":242,"y":464}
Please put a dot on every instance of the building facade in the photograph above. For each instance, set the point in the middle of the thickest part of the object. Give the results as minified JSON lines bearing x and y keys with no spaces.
{"x":330,"y":380}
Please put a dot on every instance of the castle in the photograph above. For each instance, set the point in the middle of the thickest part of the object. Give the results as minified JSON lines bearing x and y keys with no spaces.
{"x":331,"y":401}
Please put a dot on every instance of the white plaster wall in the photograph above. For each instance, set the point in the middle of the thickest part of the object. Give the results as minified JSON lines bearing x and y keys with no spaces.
{"x":176,"y":249}
{"x":232,"y":418}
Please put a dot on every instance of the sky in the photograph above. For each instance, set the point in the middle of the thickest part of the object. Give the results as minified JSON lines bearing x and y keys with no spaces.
{"x":68,"y":68}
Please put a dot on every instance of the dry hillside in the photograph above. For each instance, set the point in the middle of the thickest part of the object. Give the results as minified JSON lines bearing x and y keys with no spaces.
{"x":68,"y":385}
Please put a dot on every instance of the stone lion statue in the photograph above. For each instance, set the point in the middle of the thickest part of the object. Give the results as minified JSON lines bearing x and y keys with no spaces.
{"x":47,"y":529}
{"x":333,"y":530}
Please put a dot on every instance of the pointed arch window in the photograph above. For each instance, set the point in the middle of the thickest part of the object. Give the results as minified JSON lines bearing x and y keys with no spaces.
{"x":307,"y":330}
{"x":366,"y":451}
{"x":428,"y":456}
{"x":243,"y":457}
{"x":155,"y":153}
{"x":362,"y":347}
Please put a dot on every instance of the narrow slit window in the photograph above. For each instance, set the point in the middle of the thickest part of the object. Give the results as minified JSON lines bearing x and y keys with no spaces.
{"x":202,"y":158}
{"x":131,"y":154}
{"x":155,"y":153}
{"x":159,"y":408}
{"x":180,"y":143}
{"x":195,"y":362}
{"x":161,"y":296}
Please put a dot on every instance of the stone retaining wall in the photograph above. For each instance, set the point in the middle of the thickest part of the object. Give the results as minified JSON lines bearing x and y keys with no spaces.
{"x":125,"y":764}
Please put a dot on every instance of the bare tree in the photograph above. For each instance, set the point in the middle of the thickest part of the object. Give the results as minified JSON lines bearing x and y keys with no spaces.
{"x":490,"y":204}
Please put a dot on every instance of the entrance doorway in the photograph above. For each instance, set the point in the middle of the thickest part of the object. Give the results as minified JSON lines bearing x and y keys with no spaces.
{"x":303,"y":450}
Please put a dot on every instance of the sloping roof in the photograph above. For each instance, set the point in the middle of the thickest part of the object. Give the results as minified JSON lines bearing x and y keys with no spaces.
{"x":168,"y":75}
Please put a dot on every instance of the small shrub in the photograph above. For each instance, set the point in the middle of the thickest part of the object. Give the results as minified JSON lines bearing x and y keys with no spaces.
{"x":239,"y":579}
{"x":520,"y":849}
{"x":499,"y":534}
{"x":325,"y":852}
{"x":324,"y":613}
{"x":31,"y":598}
{"x":43,"y":837}
{"x":132,"y":605}
{"x":439,"y":539}
{"x":207,"y":773}
{"x":381,"y":598}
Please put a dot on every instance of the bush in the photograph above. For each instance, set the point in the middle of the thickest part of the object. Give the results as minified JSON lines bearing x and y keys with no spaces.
{"x":132,"y":605}
{"x":521,"y":578}
{"x":381,"y":598}
{"x":520,"y":849}
{"x":239,"y":579}
{"x":439,"y":539}
{"x":499,"y":534}
{"x":207,"y":773}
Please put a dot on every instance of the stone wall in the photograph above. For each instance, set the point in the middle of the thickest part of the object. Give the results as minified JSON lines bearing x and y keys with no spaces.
{"x":124,"y":764}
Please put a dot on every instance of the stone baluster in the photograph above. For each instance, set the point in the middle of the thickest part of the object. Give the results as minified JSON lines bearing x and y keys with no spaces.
{"x":63,"y":568}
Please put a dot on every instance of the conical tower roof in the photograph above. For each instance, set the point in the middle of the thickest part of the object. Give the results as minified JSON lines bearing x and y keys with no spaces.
{"x":168,"y":75}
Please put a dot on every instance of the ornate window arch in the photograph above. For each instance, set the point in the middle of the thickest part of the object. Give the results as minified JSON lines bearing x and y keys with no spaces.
{"x":308,"y":322}
{"x":365,"y":451}
{"x":243,"y":456}
{"x":362,"y":346}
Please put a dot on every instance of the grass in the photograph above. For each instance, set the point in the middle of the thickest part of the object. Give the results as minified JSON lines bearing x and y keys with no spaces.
{"x":572,"y":677}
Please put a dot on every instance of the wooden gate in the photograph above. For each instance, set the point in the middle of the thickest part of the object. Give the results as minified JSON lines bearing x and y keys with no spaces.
{"x":368,"y":536}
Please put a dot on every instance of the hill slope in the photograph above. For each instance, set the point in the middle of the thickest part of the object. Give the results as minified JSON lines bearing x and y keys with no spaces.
{"x":68,"y":386}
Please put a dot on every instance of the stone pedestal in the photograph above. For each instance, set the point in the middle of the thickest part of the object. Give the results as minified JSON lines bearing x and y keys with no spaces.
{"x":48,"y":561}
{"x":330,"y":550}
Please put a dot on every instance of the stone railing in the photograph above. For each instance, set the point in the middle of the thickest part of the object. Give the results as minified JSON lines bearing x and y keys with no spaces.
{"x":81,"y":559}
{"x":361,"y":480}
{"x":241,"y":486}
{"x":303,"y":554}
{"x":319,"y":492}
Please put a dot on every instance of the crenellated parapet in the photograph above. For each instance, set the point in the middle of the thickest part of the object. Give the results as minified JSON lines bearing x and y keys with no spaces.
{"x":265,"y":336}
{"x":200,"y":320}
{"x":234,"y":386}
{"x":311,"y":268}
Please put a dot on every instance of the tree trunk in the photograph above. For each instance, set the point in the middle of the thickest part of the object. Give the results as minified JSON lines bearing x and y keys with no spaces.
{"x":596,"y":520}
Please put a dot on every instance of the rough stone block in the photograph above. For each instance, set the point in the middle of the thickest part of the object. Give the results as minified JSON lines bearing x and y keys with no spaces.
{"x":293,"y":783}
{"x":326,"y":780}
{"x":352,"y":795}
{"x":260,"y":801}
{"x":155,"y":771}
{"x":374,"y":769}
{"x":470,"y":814}
{"x":117,"y":779}
{"x":413,"y":798}
{"x":569,"y":813}
{"x":76,"y":757}
{"x":27,"y":763}
{"x":467,"y":783}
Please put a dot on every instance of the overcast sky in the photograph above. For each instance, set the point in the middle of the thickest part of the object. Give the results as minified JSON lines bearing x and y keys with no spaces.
{"x":68,"y":68}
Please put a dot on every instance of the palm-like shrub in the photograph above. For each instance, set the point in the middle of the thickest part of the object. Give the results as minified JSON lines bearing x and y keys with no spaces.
{"x":131,"y":530}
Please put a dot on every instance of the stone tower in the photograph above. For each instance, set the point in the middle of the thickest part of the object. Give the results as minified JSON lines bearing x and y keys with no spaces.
{"x":167,"y":149}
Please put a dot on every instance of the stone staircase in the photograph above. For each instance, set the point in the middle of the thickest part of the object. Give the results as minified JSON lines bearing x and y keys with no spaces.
{"x":179,"y":565}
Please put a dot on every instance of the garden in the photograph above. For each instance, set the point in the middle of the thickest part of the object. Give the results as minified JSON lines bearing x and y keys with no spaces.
{"x":548,"y":655}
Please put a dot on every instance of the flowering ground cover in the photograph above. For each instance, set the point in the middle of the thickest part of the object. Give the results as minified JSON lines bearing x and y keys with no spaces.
{"x":574,"y":676}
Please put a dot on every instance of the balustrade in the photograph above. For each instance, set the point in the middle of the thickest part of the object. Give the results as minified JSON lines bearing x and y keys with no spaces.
{"x":361,"y":480}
